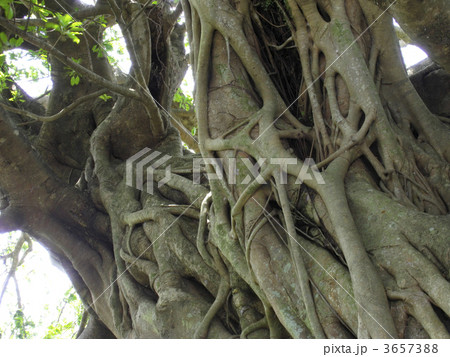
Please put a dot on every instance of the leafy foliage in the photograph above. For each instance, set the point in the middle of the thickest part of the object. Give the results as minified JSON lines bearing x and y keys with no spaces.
{"x":70,"y":314}
{"x":184,"y":101}
{"x":21,"y":325}
{"x":67,"y":26}
{"x":105,"y":97}
{"x":60,"y":320}
{"x":7,"y":6}
{"x":72,"y":74}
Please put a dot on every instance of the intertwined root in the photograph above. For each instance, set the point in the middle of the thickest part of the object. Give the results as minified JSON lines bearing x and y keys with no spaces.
{"x":410,"y":249}
{"x":247,"y":269}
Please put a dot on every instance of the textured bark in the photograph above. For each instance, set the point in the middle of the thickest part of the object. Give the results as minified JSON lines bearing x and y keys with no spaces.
{"x":426,"y":23}
{"x":365,"y":254}
{"x":433,"y":85}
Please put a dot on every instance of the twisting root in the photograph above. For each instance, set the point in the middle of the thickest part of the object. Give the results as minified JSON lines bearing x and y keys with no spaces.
{"x":206,"y":204}
{"x":350,"y":118}
{"x":260,"y":324}
{"x":418,"y":305}
{"x":221,"y":298}
{"x":302,"y":273}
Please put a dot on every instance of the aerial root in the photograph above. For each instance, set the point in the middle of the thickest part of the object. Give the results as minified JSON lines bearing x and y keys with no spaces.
{"x":296,"y":256}
{"x":221,"y":298}
{"x":275,"y":327}
{"x":250,"y":190}
{"x":258,"y":325}
{"x":201,"y":247}
{"x":418,"y":305}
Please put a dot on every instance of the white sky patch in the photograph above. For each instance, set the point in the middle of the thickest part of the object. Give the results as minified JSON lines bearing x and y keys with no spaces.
{"x":42,"y":287}
{"x":34,"y":88}
{"x":412,"y":55}
{"x":187,"y":86}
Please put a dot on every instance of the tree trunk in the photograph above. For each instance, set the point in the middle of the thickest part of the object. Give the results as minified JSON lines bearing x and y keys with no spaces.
{"x":264,"y":244}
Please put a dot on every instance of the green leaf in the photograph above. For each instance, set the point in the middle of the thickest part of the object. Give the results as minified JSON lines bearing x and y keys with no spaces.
{"x":7,"y":7}
{"x":108,"y":46}
{"x":19,"y":41}
{"x":184,"y":101}
{"x":15,"y":42}
{"x":52,"y":25}
{"x":73,"y":37}
{"x":105,"y":97}
{"x":65,"y":19}
{"x":3,"y":38}
{"x":74,"y":80}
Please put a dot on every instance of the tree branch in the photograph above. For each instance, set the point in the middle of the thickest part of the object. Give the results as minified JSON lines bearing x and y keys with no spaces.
{"x":16,"y":261}
{"x":138,"y":41}
{"x":56,"y":116}
{"x":127,"y":92}
{"x":44,"y":193}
